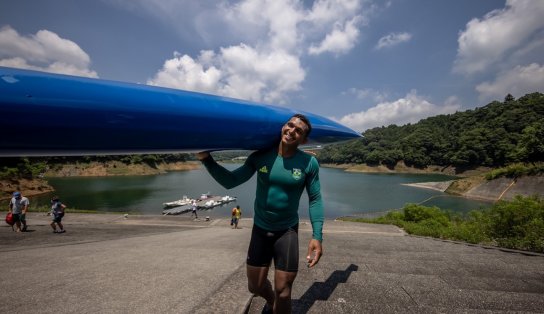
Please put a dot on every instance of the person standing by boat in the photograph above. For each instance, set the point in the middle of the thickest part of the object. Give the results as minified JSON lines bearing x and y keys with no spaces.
{"x":236,"y":215}
{"x":18,"y":206}
{"x":283,"y":172}
{"x":194,"y":207}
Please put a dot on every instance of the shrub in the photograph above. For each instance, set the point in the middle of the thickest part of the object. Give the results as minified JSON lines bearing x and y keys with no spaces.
{"x":516,"y":170}
{"x":417,"y":213}
{"x":516,"y":224}
{"x":427,"y":228}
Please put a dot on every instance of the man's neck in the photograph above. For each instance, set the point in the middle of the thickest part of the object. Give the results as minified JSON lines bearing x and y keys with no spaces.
{"x":287,"y":151}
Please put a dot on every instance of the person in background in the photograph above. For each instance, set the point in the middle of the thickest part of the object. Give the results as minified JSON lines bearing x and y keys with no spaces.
{"x":236,"y":215}
{"x":57,"y":212}
{"x":283,"y":172}
{"x":18,"y":206}
{"x":194,"y":207}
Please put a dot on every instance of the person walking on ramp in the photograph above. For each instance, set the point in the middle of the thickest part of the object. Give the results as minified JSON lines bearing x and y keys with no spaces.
{"x":18,"y":206}
{"x":283,"y":172}
{"x":194,"y":207}
{"x":57,"y":211}
{"x":236,"y":215}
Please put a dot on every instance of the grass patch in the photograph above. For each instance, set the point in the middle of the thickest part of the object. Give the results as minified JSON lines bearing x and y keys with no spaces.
{"x":516,"y":224}
{"x":516,"y":170}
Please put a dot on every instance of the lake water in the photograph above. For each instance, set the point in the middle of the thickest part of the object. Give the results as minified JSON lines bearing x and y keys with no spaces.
{"x":344,"y":193}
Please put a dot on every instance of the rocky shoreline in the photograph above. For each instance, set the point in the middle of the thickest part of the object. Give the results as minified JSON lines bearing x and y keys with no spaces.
{"x":401,"y":167}
{"x":470,"y":184}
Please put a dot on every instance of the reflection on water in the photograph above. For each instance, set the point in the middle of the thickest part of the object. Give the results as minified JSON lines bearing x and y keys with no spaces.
{"x":344,"y":193}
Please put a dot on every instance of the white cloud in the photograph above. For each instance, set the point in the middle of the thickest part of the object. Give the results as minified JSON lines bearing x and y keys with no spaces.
{"x":184,"y":72}
{"x":266,"y":65}
{"x":499,"y":35}
{"x":393,"y":39}
{"x":341,"y":39}
{"x":334,"y":25}
{"x":325,"y":12}
{"x":518,"y":82}
{"x":259,"y":23}
{"x":409,"y":109}
{"x":329,"y":26}
{"x":237,"y":71}
{"x":44,"y":51}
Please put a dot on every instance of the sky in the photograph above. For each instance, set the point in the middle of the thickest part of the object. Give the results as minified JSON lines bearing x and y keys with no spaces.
{"x":363,"y":63}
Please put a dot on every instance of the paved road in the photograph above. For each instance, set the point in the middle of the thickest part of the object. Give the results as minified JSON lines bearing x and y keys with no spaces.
{"x":109,"y":264}
{"x":155,"y":264}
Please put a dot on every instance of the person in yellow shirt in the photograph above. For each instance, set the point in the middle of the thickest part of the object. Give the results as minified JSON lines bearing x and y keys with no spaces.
{"x":236,"y":215}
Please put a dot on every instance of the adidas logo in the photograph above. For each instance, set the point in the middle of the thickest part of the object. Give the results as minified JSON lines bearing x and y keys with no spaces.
{"x":263,"y":169}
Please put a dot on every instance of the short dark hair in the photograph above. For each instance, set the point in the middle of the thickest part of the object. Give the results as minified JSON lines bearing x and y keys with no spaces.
{"x":306,"y":121}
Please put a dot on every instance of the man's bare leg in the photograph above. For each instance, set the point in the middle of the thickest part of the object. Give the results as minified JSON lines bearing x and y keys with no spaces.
{"x":258,"y":283}
{"x":283,"y":284}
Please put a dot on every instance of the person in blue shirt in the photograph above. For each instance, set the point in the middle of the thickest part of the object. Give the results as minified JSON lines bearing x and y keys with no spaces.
{"x":283,"y":173}
{"x":57,"y":212}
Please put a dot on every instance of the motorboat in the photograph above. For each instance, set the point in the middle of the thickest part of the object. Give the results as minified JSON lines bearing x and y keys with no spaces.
{"x":181,"y":202}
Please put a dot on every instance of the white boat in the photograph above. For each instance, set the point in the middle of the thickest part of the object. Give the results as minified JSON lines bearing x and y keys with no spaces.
{"x":182,"y":202}
{"x":211,"y":201}
{"x":206,"y":201}
{"x":228,"y":199}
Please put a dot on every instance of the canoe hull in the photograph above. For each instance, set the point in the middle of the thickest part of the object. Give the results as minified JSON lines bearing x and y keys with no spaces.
{"x":50,"y":114}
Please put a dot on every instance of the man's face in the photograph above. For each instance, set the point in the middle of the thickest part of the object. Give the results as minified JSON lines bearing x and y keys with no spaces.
{"x":294,"y":132}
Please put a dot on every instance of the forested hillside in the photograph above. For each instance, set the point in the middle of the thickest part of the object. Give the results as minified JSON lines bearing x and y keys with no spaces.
{"x":32,"y":167}
{"x":496,"y":135}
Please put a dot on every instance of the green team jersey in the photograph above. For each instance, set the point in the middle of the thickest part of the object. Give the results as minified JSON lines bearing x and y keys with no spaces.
{"x":280,"y":183}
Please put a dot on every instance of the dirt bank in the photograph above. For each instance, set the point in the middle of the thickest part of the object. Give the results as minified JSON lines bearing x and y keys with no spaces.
{"x":94,"y":169}
{"x":27,"y":187}
{"x":116,"y":168}
{"x":471,"y":184}
{"x":507,"y":188}
{"x":401,"y":167}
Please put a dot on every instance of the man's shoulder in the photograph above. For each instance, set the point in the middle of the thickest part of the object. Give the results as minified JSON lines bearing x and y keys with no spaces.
{"x":307,"y":157}
{"x":264,"y":153}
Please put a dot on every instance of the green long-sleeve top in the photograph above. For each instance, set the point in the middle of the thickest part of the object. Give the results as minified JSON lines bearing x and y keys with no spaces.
{"x":280,"y":183}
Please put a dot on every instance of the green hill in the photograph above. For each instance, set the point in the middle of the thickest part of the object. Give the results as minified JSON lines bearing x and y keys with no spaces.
{"x":496,"y":135}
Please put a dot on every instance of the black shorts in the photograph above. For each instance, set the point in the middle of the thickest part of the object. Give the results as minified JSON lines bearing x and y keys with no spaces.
{"x":58,"y":217}
{"x":282,"y":246}
{"x":19,"y":217}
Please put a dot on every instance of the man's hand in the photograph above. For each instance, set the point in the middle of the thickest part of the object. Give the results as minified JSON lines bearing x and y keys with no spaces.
{"x":315,"y":249}
{"x":202,"y":155}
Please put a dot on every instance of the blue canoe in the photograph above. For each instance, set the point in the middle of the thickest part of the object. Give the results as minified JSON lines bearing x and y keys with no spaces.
{"x":43,"y":114}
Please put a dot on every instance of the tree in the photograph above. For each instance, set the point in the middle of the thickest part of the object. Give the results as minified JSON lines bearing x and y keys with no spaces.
{"x":509,"y":98}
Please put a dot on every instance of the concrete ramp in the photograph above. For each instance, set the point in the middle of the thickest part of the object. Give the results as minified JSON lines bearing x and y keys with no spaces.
{"x":373,"y":270}
{"x":507,"y":188}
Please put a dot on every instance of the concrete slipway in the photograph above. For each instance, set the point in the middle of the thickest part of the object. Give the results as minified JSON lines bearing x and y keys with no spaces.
{"x":155,"y":264}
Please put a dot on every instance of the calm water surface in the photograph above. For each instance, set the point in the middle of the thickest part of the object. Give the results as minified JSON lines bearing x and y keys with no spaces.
{"x":344,"y":193}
